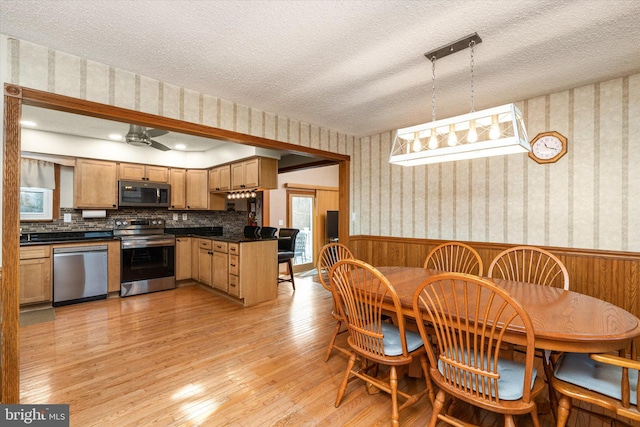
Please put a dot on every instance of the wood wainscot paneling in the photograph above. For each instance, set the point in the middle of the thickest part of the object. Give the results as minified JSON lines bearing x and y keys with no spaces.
{"x":608,"y":275}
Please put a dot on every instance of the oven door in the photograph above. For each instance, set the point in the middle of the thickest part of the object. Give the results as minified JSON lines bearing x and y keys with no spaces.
{"x":145,"y":259}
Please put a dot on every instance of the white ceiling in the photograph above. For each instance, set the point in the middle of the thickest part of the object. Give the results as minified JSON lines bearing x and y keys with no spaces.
{"x":352,"y":66}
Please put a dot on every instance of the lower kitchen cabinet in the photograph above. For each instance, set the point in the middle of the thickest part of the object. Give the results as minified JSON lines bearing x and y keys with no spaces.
{"x":219,"y":266}
{"x":35,"y":274}
{"x":253,"y":271}
{"x":246,"y":271}
{"x":205,"y":255}
{"x":183,"y":258}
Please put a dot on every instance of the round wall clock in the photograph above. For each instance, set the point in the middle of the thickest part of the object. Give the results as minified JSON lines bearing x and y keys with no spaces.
{"x":548,"y":147}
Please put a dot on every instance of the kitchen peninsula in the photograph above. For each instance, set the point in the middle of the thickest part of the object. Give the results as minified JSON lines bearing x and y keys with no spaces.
{"x":240,"y":268}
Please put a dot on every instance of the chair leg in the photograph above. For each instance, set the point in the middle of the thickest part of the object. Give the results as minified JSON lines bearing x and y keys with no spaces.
{"x":427,"y":378}
{"x":345,"y":380}
{"x":332,"y":343}
{"x":290,"y":263}
{"x":393,"y":382}
{"x":438,"y":404}
{"x":564,"y":409}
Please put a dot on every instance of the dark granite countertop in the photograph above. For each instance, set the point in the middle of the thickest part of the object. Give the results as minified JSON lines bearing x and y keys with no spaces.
{"x":27,"y":239}
{"x":214,"y":233}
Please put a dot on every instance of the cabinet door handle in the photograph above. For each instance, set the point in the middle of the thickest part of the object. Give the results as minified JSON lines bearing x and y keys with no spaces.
{"x":233,"y":265}
{"x":231,"y":284}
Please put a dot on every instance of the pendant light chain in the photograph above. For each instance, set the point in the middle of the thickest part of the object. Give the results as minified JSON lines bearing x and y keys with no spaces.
{"x":472,"y":44}
{"x":433,"y":88}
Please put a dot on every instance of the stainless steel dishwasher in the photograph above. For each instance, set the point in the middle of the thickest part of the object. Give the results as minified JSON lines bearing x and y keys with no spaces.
{"x":79,"y":274}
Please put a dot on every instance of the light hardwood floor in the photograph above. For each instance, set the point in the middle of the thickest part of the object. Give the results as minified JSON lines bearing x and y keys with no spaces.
{"x":189,"y":357}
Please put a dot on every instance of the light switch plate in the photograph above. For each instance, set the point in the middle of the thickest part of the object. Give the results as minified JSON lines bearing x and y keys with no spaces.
{"x":67,"y":217}
{"x":184,"y":216}
{"x":281,"y":222}
{"x":175,"y":216}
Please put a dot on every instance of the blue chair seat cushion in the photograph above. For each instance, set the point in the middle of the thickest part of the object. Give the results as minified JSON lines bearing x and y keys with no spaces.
{"x":391,"y":340}
{"x":581,"y":370}
{"x":510,"y":383}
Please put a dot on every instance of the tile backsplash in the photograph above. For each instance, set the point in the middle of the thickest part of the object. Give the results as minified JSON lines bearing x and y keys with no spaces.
{"x":232,"y":222}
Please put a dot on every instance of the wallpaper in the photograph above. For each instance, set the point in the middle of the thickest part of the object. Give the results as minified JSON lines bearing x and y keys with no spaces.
{"x":589,"y":199}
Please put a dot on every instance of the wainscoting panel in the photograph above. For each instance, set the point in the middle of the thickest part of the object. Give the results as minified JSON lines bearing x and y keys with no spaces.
{"x":611,"y":276}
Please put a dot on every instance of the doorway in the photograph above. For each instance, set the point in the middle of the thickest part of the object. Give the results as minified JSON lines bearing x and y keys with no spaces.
{"x":301,"y":215}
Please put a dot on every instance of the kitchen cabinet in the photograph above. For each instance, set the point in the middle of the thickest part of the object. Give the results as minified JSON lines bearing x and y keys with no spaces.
{"x":95,"y":184}
{"x":253,"y":271}
{"x":205,"y":258}
{"x":189,"y":189}
{"x":195,"y":258}
{"x":258,"y":172}
{"x":220,"y":178}
{"x":197,"y":190}
{"x":234,"y":282}
{"x":183,"y":258}
{"x":35,"y":274}
{"x":177,"y":180}
{"x":220,"y":265}
{"x":138,"y":172}
{"x":113,"y":265}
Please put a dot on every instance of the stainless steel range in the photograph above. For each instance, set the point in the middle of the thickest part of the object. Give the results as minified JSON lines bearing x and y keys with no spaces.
{"x":147,"y":256}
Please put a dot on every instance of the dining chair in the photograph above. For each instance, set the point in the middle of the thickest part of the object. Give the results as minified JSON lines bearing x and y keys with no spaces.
{"x":286,"y":252}
{"x":268,"y":232}
{"x":454,"y":257}
{"x":469,"y":316}
{"x":328,"y":256}
{"x":605,"y":380}
{"x":360,"y":291}
{"x":530,"y":264}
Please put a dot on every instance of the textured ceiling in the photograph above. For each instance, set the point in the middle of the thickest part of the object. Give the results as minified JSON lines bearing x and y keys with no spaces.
{"x":352,"y":66}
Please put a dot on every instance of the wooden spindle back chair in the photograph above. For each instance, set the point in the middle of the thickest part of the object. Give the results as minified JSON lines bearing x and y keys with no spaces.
{"x":454,"y":257}
{"x":469,"y":317}
{"x":530,"y":264}
{"x":363,"y":297}
{"x":328,"y":256}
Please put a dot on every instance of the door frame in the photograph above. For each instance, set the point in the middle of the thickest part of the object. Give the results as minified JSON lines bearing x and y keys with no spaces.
{"x":300,"y":192}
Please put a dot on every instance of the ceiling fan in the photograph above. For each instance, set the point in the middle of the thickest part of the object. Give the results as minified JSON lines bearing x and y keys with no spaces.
{"x":141,"y":137}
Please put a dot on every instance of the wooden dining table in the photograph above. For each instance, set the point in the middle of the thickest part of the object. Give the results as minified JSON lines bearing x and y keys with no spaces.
{"x":562,"y":320}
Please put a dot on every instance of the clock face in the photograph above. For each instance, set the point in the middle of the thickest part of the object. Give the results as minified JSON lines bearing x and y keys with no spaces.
{"x":548,"y":147}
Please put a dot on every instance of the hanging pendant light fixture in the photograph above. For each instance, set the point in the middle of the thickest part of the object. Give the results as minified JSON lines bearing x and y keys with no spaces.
{"x":491,"y":132}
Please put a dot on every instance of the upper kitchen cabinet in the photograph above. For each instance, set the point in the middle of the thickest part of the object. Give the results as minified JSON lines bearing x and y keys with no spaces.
{"x":197,"y":189}
{"x":258,"y":172}
{"x":220,"y":178}
{"x":177,"y":180}
{"x":95,"y":184}
{"x":189,"y":189}
{"x":137,"y":172}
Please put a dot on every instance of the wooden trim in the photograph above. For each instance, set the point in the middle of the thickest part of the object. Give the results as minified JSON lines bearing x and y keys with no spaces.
{"x":344,"y":214}
{"x":55,"y":208}
{"x":310,"y":165}
{"x":291,"y":186}
{"x":53,"y":101}
{"x":10,"y":289}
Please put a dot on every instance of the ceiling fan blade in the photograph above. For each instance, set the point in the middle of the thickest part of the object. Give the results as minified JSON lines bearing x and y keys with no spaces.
{"x":156,"y":144}
{"x":156,"y":132}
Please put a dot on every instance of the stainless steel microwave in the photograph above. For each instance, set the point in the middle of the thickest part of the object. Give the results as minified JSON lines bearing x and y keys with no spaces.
{"x":143,"y":194}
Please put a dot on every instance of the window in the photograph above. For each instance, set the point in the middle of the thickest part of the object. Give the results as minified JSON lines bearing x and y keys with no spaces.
{"x":36,"y":203}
